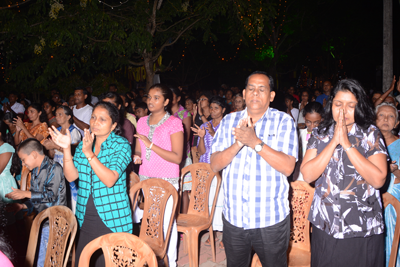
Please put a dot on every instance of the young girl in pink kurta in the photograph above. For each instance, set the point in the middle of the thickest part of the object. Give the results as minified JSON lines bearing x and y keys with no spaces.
{"x":159,"y":150}
{"x":153,"y":166}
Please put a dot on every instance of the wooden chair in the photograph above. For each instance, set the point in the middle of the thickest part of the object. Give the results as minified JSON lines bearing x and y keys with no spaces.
{"x":134,"y":179}
{"x":24,"y":179}
{"x":120,"y":249}
{"x":299,"y":250}
{"x":156,"y":193}
{"x":62,"y":225}
{"x":198,"y":217}
{"x":389,"y":199}
{"x":195,"y":154}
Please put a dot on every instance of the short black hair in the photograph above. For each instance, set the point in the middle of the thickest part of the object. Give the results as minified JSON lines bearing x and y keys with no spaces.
{"x":142,"y":105}
{"x":271,"y":80}
{"x":313,"y":107}
{"x":29,"y":145}
{"x":85,"y":92}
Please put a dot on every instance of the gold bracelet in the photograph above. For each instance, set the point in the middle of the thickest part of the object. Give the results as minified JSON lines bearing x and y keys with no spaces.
{"x":381,"y":98}
{"x":92,"y":157}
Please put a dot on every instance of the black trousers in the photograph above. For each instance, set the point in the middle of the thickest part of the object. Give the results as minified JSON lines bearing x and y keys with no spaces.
{"x":270,"y":244}
{"x":358,"y":251}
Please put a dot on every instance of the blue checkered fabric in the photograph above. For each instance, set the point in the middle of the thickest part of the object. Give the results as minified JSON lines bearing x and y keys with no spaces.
{"x":112,"y":203}
{"x":255,"y":194}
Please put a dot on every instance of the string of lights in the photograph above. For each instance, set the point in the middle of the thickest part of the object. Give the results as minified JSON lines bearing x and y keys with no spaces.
{"x":112,"y":7}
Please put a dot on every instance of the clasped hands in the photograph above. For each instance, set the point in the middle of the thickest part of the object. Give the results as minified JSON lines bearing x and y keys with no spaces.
{"x":245,"y":134}
{"x":340,"y":136}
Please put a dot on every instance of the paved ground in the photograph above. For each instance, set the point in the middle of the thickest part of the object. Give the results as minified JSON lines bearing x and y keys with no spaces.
{"x":205,"y":255}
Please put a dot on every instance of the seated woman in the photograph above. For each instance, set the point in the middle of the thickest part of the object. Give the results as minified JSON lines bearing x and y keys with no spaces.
{"x":100,"y":161}
{"x":346,"y":157}
{"x":206,"y":133}
{"x":386,"y":120}
{"x":239,"y":103}
{"x":64,"y":118}
{"x":37,"y":129}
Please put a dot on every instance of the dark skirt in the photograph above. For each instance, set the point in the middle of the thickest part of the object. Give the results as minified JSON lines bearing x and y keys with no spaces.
{"x":92,"y":228}
{"x":358,"y":251}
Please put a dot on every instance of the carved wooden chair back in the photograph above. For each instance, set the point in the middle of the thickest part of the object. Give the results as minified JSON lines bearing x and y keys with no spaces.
{"x":24,"y":179}
{"x":202,"y":177}
{"x":156,"y":193}
{"x":62,"y":228}
{"x":389,"y":199}
{"x":134,"y":179}
{"x":120,"y":250}
{"x":195,"y":154}
{"x":300,"y":201}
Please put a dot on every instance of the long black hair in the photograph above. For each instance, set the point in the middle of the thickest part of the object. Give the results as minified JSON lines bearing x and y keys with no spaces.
{"x":114,"y":115}
{"x":364,"y":115}
{"x":39,"y":108}
{"x":313,"y":107}
{"x":7,"y":137}
{"x":167,"y":94}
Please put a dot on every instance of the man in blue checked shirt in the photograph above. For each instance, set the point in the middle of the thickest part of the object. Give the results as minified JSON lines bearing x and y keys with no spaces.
{"x":257,"y":149}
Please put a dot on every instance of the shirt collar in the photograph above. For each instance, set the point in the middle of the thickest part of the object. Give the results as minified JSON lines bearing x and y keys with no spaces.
{"x":109,"y":140}
{"x":266,"y":114}
{"x":43,"y":165}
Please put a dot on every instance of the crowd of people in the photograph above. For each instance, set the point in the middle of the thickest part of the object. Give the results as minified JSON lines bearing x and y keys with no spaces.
{"x":340,"y":139}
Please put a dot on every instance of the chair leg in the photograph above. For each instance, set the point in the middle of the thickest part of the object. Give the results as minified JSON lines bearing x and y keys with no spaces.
{"x":193,"y":244}
{"x":185,"y":244}
{"x":212,"y":241}
{"x":166,"y":261}
{"x":73,"y":255}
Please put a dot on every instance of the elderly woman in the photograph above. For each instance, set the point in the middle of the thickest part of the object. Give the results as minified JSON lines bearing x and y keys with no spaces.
{"x":386,"y":120}
{"x":347,"y":158}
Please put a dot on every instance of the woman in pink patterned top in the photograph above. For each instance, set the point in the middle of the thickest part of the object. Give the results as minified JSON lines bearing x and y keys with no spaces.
{"x":159,"y":155}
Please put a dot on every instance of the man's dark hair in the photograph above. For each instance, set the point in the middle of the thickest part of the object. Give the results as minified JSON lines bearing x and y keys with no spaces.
{"x":29,"y":145}
{"x":142,"y":105}
{"x":271,"y":80}
{"x":85,"y":92}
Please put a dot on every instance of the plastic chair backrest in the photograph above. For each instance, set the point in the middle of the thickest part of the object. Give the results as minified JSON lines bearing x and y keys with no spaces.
{"x":62,"y":224}
{"x":202,"y":177}
{"x":389,"y":199}
{"x":195,"y":154}
{"x":120,"y":249}
{"x":156,"y":193}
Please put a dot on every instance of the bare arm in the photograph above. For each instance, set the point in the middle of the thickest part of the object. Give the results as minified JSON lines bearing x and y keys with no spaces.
{"x":373,"y":169}
{"x":382,"y":97}
{"x":80,"y":124}
{"x":4,"y":159}
{"x":313,"y":166}
{"x":219,"y":160}
{"x":174,"y":156}
{"x":278,"y":160}
{"x":187,"y":123}
{"x":201,"y":148}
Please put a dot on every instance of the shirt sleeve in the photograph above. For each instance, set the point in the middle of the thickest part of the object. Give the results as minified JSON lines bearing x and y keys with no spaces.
{"x":50,"y":188}
{"x":295,"y":113}
{"x":220,"y":140}
{"x":313,"y":141}
{"x":75,"y":137}
{"x":176,"y":126}
{"x":287,"y":137}
{"x":376,"y":143}
{"x":121,"y":156}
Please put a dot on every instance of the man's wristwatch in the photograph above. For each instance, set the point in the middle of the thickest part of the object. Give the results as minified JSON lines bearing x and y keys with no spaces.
{"x":259,"y":147}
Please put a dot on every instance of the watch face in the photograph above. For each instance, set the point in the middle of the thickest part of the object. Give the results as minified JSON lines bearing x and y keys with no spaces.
{"x":257,"y":148}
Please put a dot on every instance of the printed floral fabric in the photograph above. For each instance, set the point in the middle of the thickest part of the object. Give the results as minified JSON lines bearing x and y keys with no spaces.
{"x":344,"y":204}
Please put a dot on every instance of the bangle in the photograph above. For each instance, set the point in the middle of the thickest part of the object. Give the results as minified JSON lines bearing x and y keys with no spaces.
{"x":347,"y":149}
{"x":381,"y":98}
{"x":151,"y":145}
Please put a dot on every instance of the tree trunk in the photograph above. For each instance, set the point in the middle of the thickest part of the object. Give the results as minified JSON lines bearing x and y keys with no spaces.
{"x":148,"y":65}
{"x":387,"y":67}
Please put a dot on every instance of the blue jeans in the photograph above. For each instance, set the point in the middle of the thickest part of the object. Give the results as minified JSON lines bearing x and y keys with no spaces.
{"x":44,"y":239}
